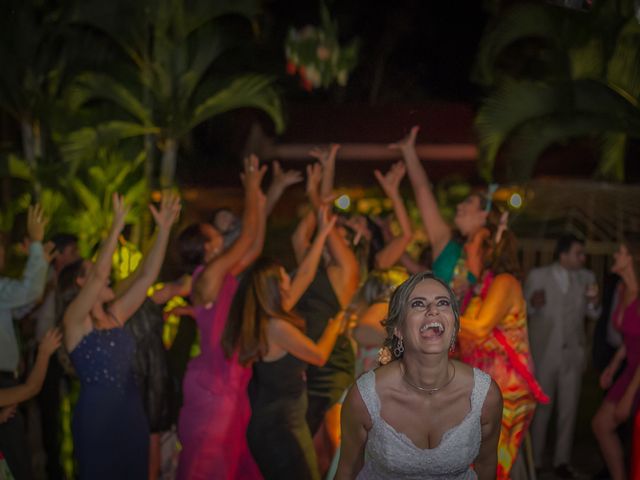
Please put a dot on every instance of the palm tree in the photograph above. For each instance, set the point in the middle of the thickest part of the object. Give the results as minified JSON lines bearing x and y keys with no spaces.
{"x":556,"y":75}
{"x":176,"y":80}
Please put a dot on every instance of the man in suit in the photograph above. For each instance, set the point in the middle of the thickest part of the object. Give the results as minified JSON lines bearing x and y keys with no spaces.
{"x":559,"y":297}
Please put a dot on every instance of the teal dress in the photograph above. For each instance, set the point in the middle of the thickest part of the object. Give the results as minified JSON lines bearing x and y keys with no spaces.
{"x":445,"y":264}
{"x":451,"y":267}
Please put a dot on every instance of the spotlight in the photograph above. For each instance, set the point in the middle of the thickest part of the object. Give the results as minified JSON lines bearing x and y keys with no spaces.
{"x":515,"y":200}
{"x":343,"y":202}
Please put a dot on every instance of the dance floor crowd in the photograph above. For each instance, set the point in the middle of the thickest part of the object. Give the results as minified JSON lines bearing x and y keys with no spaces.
{"x":360,"y":362}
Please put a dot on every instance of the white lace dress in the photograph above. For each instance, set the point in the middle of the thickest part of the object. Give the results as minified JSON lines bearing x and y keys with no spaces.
{"x":390,"y":454}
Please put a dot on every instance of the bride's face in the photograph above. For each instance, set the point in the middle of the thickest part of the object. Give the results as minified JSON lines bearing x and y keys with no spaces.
{"x":429,"y":324}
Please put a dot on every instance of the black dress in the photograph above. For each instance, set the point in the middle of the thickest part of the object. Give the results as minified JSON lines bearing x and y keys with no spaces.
{"x":325,"y":385}
{"x":278,"y":434}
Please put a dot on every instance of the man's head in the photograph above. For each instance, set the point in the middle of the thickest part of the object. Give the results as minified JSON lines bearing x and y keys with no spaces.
{"x":570,"y":252}
{"x":67,"y":248}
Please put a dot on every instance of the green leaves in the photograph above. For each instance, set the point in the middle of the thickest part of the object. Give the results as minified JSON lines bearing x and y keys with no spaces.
{"x":522,"y":120}
{"x":557,"y":75}
{"x":246,"y":91}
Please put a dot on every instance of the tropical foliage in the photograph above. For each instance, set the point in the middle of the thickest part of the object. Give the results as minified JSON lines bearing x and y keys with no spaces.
{"x":104,"y":93}
{"x":554,"y":75}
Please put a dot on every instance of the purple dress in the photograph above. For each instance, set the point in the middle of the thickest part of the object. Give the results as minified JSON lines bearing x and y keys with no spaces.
{"x":630,"y":329}
{"x":213,"y":421}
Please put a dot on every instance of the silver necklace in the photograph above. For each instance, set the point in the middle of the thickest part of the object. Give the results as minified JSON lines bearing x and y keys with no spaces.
{"x":430,"y":391}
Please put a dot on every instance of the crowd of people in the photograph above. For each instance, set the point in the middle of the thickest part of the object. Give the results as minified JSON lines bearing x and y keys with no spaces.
{"x":358,"y":363}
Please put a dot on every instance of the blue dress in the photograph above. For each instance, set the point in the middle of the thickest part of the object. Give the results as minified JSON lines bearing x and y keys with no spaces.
{"x":110,"y":430}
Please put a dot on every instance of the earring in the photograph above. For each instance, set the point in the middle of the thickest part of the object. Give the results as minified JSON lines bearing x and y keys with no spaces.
{"x":399,"y":350}
{"x":452,"y":347}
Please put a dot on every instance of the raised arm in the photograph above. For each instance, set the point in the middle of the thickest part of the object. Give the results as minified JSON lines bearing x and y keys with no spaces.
{"x":16,"y":293}
{"x":78,"y":311}
{"x":291,"y":339}
{"x":50,"y":342}
{"x":437,"y":229}
{"x":393,"y":250}
{"x":281,"y":180}
{"x":355,"y":424}
{"x":302,"y":235}
{"x":309,"y":265}
{"x":503,"y":293}
{"x":126,"y":305}
{"x":344,"y":273}
{"x":486,"y":463}
{"x":327,"y":158}
{"x":206,"y":287}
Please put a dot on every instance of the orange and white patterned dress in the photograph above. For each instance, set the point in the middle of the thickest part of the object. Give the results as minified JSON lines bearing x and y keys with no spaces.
{"x":498,"y":344}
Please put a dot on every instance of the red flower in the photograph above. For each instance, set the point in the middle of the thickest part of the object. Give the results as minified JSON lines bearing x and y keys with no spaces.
{"x":291,"y":68}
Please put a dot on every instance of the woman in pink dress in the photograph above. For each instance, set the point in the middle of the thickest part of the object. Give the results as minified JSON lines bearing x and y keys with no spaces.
{"x":213,"y":420}
{"x":623,"y":395}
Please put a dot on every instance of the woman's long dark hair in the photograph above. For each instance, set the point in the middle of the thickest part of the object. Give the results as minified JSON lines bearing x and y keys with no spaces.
{"x":67,"y":289}
{"x":256,"y":300}
{"x":191,"y":243}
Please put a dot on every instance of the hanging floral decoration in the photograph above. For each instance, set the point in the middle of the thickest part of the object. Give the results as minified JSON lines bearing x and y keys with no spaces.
{"x":313,"y":52}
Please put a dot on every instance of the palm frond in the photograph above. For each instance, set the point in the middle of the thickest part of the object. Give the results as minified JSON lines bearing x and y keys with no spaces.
{"x":522,"y":21}
{"x":253,"y":91}
{"x":89,"y":86}
{"x":204,"y":11}
{"x":524,"y":119}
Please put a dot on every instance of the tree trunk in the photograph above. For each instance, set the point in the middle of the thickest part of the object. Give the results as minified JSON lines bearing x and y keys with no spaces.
{"x":32,"y":150}
{"x":168,"y":166}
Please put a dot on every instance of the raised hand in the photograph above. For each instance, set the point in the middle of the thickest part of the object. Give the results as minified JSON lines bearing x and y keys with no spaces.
{"x":391,"y":181}
{"x":169,"y":210}
{"x":325,"y":155}
{"x":253,"y":173}
{"x":408,"y":142}
{"x":120,"y":211}
{"x":36,"y":223}
{"x":284,"y":178}
{"x":50,"y":251}
{"x":326,"y":220}
{"x":314,"y":177}
{"x":50,"y":342}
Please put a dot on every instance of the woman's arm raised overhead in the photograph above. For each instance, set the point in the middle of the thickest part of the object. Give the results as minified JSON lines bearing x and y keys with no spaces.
{"x":78,"y":310}
{"x":309,"y":265}
{"x":206,"y":287}
{"x":327,"y":158}
{"x":125,"y":305}
{"x":437,"y":229}
{"x":282,"y":179}
{"x":393,"y":250}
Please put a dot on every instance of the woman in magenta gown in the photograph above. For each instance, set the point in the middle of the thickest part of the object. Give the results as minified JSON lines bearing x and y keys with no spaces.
{"x":213,"y":420}
{"x":623,"y":395}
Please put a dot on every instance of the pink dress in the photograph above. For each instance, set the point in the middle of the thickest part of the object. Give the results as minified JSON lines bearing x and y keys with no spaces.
{"x":630,"y":328}
{"x":215,"y":414}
